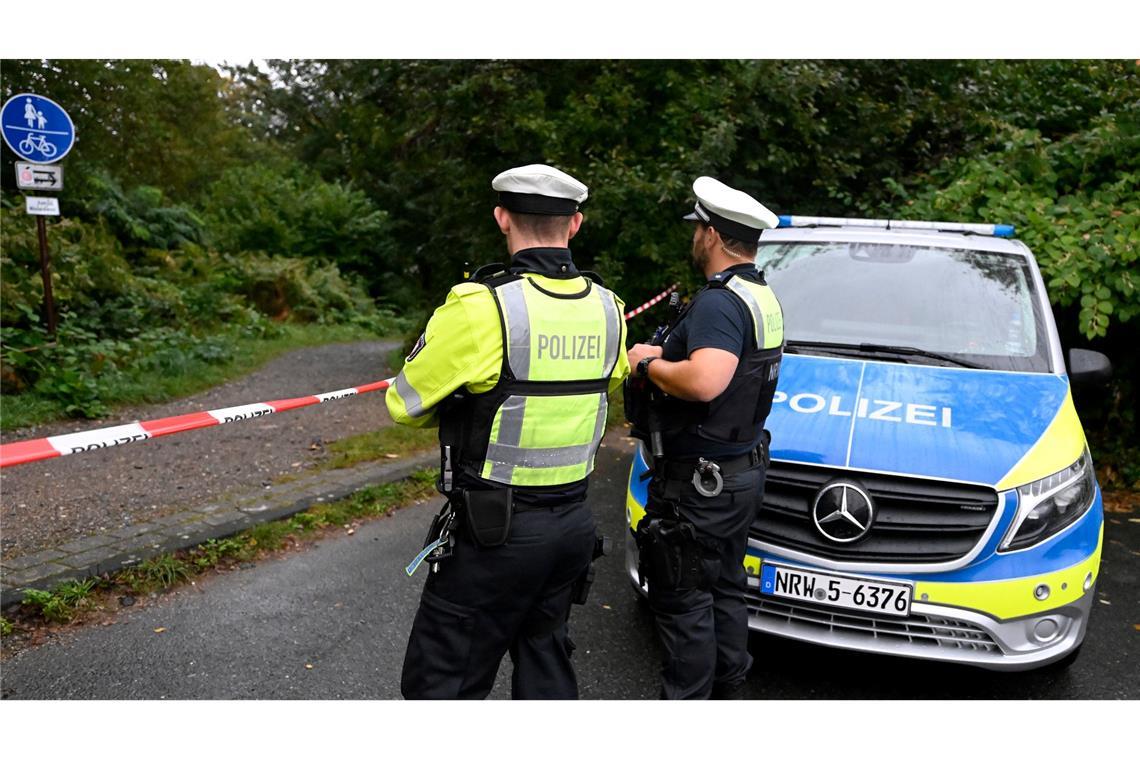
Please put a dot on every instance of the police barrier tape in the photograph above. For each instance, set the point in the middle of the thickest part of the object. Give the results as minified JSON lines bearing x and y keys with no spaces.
{"x":23,"y":452}
{"x":652,"y":301}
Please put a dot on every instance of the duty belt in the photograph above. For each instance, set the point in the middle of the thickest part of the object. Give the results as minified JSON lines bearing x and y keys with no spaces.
{"x":682,"y":469}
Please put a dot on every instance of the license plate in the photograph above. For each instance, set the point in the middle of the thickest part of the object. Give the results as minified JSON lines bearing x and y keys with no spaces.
{"x":883,"y":597}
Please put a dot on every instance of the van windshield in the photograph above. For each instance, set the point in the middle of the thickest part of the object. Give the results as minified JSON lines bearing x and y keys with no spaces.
{"x":977,"y":307}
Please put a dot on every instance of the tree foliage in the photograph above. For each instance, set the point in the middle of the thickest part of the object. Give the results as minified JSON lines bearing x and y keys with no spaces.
{"x":424,"y":138}
{"x":274,"y":187}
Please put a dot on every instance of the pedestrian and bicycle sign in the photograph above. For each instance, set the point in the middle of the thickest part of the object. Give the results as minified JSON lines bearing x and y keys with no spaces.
{"x":36,"y":128}
{"x":38,"y":176}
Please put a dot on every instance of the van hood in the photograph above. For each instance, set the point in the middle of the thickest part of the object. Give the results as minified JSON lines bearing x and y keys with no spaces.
{"x":939,"y":422}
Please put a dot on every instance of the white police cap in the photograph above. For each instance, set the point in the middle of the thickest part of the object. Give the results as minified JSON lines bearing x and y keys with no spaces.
{"x":539,"y":189}
{"x":731,"y":212}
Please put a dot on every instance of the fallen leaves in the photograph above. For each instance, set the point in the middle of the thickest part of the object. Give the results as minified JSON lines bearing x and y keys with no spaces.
{"x":1121,"y":501}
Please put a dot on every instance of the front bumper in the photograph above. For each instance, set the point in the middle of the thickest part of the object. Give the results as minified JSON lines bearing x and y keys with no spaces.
{"x":940,"y":626}
{"x":930,"y":632}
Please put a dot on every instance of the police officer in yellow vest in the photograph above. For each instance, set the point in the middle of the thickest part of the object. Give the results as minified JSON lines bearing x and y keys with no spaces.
{"x":515,"y":368}
{"x":713,"y":374}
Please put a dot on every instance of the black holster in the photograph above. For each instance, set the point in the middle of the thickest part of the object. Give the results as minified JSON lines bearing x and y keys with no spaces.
{"x":488,"y":515}
{"x":672,"y":557}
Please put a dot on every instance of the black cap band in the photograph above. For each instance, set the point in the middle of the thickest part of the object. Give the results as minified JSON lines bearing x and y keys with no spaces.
{"x":736,"y":230}
{"x":528,"y":203}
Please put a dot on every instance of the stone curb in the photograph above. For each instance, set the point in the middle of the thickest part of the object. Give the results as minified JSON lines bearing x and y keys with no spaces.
{"x":115,"y":550}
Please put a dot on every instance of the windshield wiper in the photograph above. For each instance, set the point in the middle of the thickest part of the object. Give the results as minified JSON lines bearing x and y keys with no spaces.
{"x":876,"y":348}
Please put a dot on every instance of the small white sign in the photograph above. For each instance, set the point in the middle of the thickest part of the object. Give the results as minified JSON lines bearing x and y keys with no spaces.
{"x":43,"y":206}
{"x":38,"y":176}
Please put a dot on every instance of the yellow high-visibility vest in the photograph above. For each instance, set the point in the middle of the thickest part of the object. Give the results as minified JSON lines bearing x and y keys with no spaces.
{"x":767,"y":316}
{"x":551,"y":397}
{"x":516,"y":372}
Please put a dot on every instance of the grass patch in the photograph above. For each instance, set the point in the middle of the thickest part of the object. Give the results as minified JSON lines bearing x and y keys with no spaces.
{"x":155,"y":573}
{"x":378,"y":444}
{"x":64,"y":602}
{"x":176,"y":373}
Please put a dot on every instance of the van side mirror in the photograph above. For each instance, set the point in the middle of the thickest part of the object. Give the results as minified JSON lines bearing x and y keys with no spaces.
{"x":1088,"y":367}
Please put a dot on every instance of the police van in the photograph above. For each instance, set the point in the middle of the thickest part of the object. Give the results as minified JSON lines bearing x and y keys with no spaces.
{"x":931,"y":493}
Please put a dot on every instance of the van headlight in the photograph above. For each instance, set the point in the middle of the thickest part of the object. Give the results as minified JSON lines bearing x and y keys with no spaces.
{"x":1047,"y":506}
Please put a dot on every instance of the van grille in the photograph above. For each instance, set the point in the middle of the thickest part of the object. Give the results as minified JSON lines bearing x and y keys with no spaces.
{"x":924,"y":631}
{"x":916,"y":520}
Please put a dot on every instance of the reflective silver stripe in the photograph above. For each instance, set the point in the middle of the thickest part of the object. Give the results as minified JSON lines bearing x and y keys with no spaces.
{"x":516,"y":456}
{"x":501,"y":473}
{"x":599,"y":429}
{"x":413,"y":404}
{"x":510,"y":434}
{"x":757,"y":316}
{"x":511,"y":420}
{"x":613,"y":330}
{"x":600,"y":422}
{"x":518,"y":327}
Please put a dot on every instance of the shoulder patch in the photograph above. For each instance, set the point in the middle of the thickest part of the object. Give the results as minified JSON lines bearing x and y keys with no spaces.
{"x":417,"y":348}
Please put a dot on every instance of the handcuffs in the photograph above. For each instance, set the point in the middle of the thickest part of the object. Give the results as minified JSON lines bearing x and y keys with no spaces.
{"x":707,"y":478}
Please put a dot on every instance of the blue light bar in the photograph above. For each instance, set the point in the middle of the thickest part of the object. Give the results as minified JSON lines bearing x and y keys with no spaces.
{"x":995,"y":230}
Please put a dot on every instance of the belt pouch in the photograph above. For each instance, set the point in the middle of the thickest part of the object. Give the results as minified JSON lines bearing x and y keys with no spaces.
{"x":670,"y":554}
{"x":489,"y":515}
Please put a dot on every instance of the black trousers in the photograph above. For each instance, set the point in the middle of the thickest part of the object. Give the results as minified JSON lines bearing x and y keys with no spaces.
{"x":483,"y":603}
{"x":704,"y":632}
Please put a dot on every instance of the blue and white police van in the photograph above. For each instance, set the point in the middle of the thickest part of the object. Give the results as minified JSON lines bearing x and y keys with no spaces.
{"x":931,"y":493}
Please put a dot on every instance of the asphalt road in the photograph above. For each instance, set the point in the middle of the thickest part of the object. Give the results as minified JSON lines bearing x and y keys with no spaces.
{"x":344,"y":607}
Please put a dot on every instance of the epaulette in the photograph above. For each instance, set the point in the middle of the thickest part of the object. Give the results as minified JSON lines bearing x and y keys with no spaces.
{"x":488,"y":271}
{"x":719,"y":280}
{"x":592,"y":276}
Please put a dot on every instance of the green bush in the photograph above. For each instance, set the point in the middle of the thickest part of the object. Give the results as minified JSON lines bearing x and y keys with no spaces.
{"x":141,"y":217}
{"x":1074,"y":202}
{"x":136,"y":292}
{"x":291,"y":212}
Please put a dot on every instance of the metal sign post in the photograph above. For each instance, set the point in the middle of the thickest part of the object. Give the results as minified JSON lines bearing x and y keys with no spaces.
{"x":39,"y":131}
{"x":45,"y":271}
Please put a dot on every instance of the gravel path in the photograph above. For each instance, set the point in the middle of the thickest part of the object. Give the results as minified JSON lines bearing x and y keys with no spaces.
{"x":45,"y":504}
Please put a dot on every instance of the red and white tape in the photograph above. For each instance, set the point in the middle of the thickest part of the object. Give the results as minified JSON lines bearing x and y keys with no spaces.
{"x":23,"y":452}
{"x":651,"y":302}
{"x":34,"y":450}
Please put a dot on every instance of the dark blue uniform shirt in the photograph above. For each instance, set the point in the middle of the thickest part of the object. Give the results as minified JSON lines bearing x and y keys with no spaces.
{"x":717,"y":319}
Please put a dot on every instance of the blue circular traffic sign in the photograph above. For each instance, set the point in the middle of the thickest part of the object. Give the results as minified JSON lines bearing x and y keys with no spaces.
{"x":37,"y":128}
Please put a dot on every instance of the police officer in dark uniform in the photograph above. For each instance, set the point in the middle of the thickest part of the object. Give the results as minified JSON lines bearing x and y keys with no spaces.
{"x":515,"y":368}
{"x":704,"y":390}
